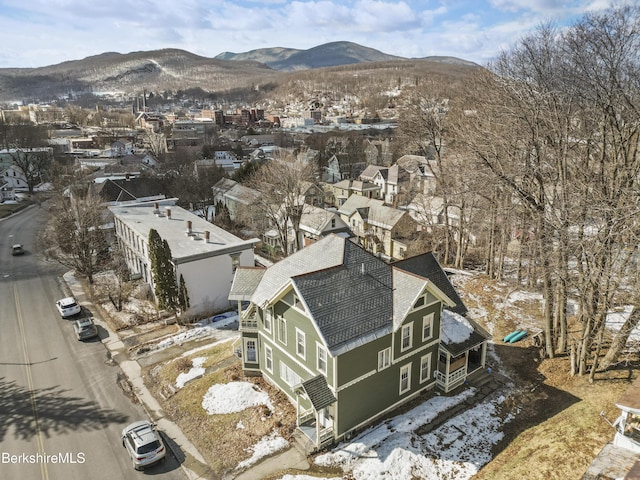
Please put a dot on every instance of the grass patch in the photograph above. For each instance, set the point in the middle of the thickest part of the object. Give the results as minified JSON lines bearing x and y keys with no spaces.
{"x":215,"y":356}
{"x":7,"y":209}
{"x":219,"y":438}
{"x":564,"y":445}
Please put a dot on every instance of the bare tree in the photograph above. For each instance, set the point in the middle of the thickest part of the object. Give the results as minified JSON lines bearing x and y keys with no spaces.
{"x":26,"y":144}
{"x":74,"y":235}
{"x":282,"y":184}
{"x":556,"y":122}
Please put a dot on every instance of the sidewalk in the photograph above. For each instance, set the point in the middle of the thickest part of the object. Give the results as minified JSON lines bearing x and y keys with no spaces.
{"x":190,"y":460}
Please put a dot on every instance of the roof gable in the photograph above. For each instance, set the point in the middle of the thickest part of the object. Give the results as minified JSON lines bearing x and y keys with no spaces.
{"x":324,"y":253}
{"x":427,"y":266}
{"x":406,"y":289}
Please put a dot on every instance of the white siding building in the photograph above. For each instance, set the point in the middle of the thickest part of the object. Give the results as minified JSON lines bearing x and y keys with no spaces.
{"x":204,"y":254}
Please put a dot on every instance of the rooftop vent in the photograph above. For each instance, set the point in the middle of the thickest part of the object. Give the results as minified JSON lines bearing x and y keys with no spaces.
{"x":207,"y":234}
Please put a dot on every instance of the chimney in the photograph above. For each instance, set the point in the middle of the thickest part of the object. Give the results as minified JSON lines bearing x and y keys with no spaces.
{"x":206,"y":236}
{"x":156,"y":208}
{"x":168,"y":213}
{"x":189,"y":231}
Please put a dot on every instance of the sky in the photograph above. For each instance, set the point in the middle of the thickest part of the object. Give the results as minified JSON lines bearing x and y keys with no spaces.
{"x":36,"y":33}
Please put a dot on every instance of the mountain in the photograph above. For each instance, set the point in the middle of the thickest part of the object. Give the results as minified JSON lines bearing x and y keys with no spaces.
{"x":327,"y":55}
{"x":173,"y":70}
{"x":167,"y":69}
{"x":261,"y":55}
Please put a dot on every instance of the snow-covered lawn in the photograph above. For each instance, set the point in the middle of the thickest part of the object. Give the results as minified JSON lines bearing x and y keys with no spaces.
{"x":455,"y":450}
{"x":205,"y":329}
{"x":234,"y":397}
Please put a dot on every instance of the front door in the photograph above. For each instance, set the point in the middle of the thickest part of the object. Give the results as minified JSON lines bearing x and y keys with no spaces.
{"x":324,"y":418}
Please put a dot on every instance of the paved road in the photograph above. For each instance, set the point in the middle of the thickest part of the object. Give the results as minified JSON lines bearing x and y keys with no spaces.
{"x":61,"y":410}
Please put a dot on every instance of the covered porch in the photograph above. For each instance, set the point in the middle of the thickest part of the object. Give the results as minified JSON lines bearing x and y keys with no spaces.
{"x":314,"y":402}
{"x":462,"y":352}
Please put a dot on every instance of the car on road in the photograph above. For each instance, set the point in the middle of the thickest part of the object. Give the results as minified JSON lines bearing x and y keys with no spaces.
{"x":85,"y":328}
{"x":68,"y":307}
{"x":17,"y":250}
{"x":143,"y":444}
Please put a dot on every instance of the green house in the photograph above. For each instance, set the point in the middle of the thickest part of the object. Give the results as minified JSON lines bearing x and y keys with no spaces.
{"x":348,"y":337}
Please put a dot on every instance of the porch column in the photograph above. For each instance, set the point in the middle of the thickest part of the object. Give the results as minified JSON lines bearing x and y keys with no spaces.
{"x":483,"y":355}
{"x":317,"y":428}
{"x":448,"y":367}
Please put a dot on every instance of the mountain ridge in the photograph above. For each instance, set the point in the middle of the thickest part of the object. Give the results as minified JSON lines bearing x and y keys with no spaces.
{"x":173,"y":69}
{"x":326,"y":55}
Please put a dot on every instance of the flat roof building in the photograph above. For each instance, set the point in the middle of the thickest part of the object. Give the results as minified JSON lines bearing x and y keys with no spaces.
{"x":203,"y":253}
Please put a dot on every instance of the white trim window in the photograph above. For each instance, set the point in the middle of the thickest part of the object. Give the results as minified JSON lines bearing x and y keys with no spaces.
{"x":268,"y":358}
{"x":425,"y":368}
{"x":301,"y":345}
{"x":384,"y":358}
{"x":321,"y":356}
{"x":289,"y":377}
{"x":268,"y":319}
{"x":427,"y":327}
{"x":282,"y":330}
{"x":405,"y":378}
{"x":407,"y":337}
{"x":251,"y":350}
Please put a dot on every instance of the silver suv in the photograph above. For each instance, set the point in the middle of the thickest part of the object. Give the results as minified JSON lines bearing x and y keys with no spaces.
{"x":143,"y":443}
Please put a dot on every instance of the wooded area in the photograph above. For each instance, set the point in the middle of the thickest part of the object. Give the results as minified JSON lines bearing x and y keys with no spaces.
{"x":546,"y":143}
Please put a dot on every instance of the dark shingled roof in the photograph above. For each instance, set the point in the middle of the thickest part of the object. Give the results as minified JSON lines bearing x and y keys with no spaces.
{"x":318,"y":392}
{"x":427,"y":266}
{"x":128,"y":190}
{"x":346,"y":303}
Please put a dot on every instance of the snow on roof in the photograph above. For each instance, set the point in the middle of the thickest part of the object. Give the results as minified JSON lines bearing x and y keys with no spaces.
{"x":455,"y":328}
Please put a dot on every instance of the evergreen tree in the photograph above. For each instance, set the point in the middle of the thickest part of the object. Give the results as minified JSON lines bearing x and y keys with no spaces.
{"x":183,"y":295}
{"x":164,"y":276}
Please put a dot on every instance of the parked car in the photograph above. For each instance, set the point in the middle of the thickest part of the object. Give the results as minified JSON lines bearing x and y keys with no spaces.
{"x":143,"y":444}
{"x":85,"y":328}
{"x":17,"y":250}
{"x":68,"y":307}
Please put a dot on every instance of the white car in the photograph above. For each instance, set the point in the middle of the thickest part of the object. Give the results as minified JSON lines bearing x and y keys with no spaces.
{"x":68,"y":307}
{"x":143,"y":444}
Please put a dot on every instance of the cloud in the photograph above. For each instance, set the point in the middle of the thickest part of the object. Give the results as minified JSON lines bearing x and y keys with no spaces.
{"x":43,"y":32}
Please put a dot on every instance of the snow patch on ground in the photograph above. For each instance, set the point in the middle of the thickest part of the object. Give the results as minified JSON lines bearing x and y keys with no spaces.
{"x":456,"y":450}
{"x":234,"y":397}
{"x":521,"y":296}
{"x":359,"y":450}
{"x":266,"y":446}
{"x":307,"y":477}
{"x":206,"y":328}
{"x":197,"y":370}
